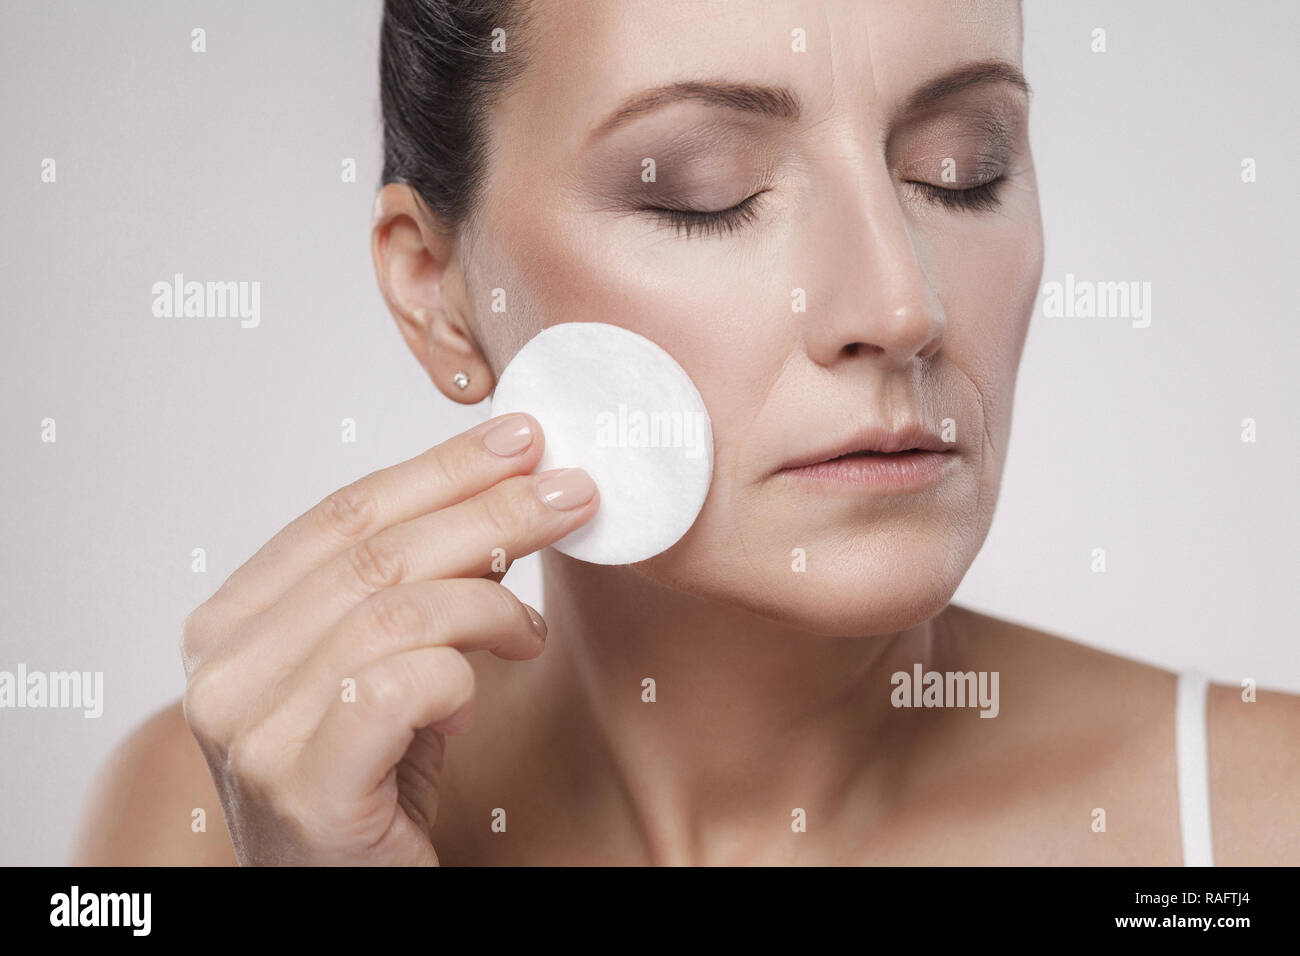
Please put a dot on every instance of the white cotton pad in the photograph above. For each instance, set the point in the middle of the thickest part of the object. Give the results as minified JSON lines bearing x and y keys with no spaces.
{"x":617,"y":405}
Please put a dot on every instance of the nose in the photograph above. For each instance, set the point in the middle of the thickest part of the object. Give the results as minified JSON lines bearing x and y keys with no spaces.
{"x":876,"y":298}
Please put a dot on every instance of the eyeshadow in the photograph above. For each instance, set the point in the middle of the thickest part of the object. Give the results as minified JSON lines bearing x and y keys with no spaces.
{"x":981,"y":141}
{"x":705,"y":163}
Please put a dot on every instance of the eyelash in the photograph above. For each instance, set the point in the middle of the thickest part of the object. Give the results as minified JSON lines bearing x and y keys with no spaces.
{"x":713,"y":222}
{"x":981,"y":198}
{"x":687,"y":222}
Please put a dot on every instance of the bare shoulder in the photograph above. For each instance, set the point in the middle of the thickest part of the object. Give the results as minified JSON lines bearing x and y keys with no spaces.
{"x":1066,"y":675}
{"x":1254,"y":757}
{"x":140,"y":810}
{"x":1125,"y":710}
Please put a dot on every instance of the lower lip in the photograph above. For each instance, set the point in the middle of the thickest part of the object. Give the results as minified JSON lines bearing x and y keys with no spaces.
{"x":903,"y":471}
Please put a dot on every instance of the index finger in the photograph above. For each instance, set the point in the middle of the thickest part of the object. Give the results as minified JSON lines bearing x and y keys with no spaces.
{"x":446,"y":474}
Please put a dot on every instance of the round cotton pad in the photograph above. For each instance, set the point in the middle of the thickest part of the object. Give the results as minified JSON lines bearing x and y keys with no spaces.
{"x":617,"y":405}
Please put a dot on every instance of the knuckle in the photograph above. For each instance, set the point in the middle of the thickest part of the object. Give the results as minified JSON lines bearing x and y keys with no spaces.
{"x":348,"y":512}
{"x":193,"y":632}
{"x":207,"y":628}
{"x":503,"y":605}
{"x":444,"y":604}
{"x":250,"y":757}
{"x":392,"y":614}
{"x":382,"y":691}
{"x":461,"y":680}
{"x":376,"y":564}
{"x":203,"y":628}
{"x":200,"y":702}
{"x":504,"y":512}
{"x":453,"y":600}
{"x":443,"y":471}
{"x":198,"y":618}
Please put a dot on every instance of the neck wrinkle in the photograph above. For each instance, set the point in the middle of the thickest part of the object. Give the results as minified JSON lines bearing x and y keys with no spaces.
{"x":752,"y":718}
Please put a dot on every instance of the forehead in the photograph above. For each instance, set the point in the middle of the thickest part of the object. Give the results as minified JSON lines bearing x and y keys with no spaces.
{"x":588,"y":56}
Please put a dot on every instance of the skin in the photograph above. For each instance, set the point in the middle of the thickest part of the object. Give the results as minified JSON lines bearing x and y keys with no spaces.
{"x":773,"y":687}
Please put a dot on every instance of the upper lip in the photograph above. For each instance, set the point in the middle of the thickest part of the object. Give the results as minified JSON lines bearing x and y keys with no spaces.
{"x":875,"y":438}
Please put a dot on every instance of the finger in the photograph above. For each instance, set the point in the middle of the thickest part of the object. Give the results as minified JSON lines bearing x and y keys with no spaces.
{"x":359,"y":742}
{"x":468,"y":614}
{"x":450,"y":472}
{"x":516,"y":516}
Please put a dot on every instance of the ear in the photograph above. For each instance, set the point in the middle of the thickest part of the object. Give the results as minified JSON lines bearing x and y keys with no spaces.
{"x":422,"y":283}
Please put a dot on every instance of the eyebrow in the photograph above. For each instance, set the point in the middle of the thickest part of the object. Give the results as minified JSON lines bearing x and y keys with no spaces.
{"x":780,"y":102}
{"x":964,"y":77}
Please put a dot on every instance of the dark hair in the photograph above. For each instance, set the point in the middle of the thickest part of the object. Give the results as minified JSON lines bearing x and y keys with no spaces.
{"x":438,"y":77}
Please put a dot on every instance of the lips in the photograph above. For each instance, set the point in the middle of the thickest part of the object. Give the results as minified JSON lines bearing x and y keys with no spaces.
{"x":875,"y":442}
{"x":874,"y":454}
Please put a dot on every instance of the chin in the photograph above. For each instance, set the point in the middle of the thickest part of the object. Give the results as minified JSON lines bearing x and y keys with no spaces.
{"x":866,"y":596}
{"x":869,"y":585}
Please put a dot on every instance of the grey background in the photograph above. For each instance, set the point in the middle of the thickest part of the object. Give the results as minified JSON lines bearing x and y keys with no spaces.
{"x":175,"y":434}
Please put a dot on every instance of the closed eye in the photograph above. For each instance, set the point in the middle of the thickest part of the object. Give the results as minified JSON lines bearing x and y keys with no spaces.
{"x":719,"y":222}
{"x":979,"y":198}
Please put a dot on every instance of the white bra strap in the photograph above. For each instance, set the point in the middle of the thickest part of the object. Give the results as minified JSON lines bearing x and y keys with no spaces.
{"x":1193,"y":769}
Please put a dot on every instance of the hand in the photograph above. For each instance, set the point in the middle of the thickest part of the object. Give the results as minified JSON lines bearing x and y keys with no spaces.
{"x":324,"y":673}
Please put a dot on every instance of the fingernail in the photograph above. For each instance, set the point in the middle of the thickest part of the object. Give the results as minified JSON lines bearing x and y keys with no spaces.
{"x":509,"y":437}
{"x":538,"y":624}
{"x":567,"y":489}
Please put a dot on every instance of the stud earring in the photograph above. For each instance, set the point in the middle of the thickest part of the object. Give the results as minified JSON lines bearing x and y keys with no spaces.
{"x":461,"y":380}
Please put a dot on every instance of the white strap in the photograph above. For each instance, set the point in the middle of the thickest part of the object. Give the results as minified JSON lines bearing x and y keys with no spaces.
{"x":1193,"y":769}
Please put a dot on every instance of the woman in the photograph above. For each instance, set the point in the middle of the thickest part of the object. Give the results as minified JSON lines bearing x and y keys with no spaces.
{"x":827,"y":214}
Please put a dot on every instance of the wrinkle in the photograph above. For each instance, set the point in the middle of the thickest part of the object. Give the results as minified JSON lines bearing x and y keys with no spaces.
{"x":987,"y":443}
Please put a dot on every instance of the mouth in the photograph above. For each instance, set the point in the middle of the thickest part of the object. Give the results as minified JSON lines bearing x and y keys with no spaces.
{"x":904,"y":459}
{"x":874,"y":454}
{"x":875,"y":442}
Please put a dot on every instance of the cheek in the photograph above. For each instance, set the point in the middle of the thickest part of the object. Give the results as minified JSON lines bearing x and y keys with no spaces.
{"x":714,"y":306}
{"x":988,"y":286}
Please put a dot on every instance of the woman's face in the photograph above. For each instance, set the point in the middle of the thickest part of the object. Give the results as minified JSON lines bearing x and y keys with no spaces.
{"x":831,"y":131}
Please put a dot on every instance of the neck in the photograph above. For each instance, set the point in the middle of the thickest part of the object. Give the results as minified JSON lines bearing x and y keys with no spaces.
{"x":749,"y":720}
